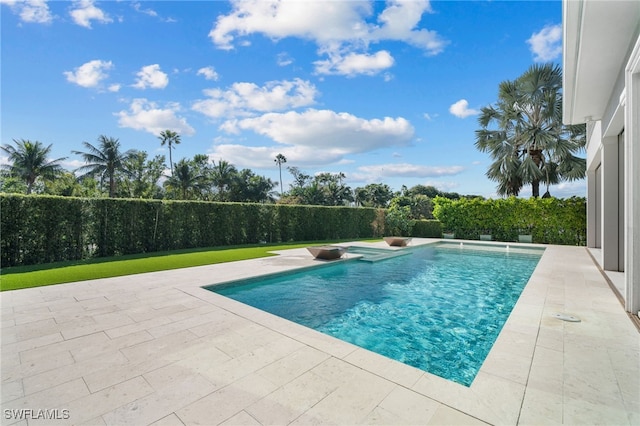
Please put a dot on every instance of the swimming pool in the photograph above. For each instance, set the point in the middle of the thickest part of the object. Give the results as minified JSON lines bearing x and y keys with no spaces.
{"x":439,"y":309}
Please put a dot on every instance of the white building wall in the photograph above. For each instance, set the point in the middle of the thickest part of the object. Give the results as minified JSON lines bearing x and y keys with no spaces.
{"x":632,"y":180}
{"x":604,"y":211}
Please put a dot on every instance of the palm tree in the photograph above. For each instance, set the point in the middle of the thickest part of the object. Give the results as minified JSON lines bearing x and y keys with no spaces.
{"x":280,"y":159}
{"x":525,"y":136}
{"x":170,"y":138}
{"x":29,"y":162}
{"x":105,"y":161}
{"x":222,"y":177}
{"x":186,"y":180}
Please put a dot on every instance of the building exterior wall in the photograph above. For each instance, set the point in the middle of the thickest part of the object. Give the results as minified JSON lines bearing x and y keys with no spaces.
{"x":613,"y":138}
{"x":616,"y":195}
{"x":632,"y":179}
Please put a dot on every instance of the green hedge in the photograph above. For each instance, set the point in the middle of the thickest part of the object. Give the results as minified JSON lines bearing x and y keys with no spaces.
{"x":41,"y":229}
{"x":548,"y":220}
{"x":427,"y":229}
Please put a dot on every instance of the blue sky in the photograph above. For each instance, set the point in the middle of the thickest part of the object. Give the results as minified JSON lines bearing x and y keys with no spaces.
{"x":384,"y":92}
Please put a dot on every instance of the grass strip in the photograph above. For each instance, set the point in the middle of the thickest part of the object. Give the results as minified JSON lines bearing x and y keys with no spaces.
{"x":65,"y":272}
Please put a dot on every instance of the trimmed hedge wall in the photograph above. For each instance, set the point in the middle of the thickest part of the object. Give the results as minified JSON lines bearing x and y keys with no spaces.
{"x":38,"y":229}
{"x":427,"y":229}
{"x":41,"y":229}
{"x":548,"y":220}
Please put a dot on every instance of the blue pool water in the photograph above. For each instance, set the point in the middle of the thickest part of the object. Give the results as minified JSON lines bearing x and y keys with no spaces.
{"x":439,"y":309}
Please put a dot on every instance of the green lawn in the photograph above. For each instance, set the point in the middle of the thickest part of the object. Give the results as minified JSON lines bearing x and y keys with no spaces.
{"x":65,"y":272}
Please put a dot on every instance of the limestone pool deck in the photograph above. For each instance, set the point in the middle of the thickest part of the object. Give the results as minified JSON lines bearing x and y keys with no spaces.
{"x":158,"y":349}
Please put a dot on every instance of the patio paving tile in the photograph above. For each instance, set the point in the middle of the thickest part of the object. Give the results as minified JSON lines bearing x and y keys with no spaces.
{"x":410,"y":407}
{"x":357,"y":394}
{"x":226,"y":402}
{"x":242,"y":418}
{"x":158,"y":349}
{"x":162,"y":402}
{"x":96,"y":404}
{"x":447,"y":416}
{"x":291,"y":400}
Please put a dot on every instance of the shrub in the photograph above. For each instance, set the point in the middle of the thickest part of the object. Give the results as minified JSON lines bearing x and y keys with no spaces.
{"x":548,"y":220}
{"x":427,"y":229}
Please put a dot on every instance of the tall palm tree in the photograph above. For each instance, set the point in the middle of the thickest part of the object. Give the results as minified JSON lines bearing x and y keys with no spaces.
{"x":280,"y":159}
{"x":29,"y":162}
{"x":170,"y":138}
{"x":525,"y":136}
{"x":104,"y":161}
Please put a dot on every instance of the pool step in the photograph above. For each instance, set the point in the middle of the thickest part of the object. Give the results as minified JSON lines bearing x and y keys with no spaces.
{"x":375,"y":255}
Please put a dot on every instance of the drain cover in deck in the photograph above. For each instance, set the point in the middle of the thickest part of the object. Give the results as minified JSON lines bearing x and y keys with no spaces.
{"x":565,"y":317}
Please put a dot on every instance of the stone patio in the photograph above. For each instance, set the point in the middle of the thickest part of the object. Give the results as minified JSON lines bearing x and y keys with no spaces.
{"x":158,"y":349}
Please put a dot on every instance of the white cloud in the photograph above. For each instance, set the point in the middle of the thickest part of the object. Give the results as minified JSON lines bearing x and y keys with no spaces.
{"x":324,"y":130}
{"x":311,"y":138}
{"x":85,"y":11}
{"x":280,"y":19}
{"x":355,"y":63}
{"x":114,"y":88}
{"x":461,"y":109}
{"x":147,"y":116}
{"x":442,"y":186}
{"x":546,"y":45}
{"x":247,"y":98}
{"x":283,"y":59}
{"x":89,"y":74}
{"x":151,"y":76}
{"x":209,"y":73}
{"x":399,"y":21}
{"x":343,"y":30}
{"x":262,"y":157}
{"x":137,"y":6}
{"x":566,"y":189}
{"x":32,"y":11}
{"x":409,"y":170}
{"x":72,"y":164}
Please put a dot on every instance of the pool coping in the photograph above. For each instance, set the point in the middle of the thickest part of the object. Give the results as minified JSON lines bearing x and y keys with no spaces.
{"x":540,"y":370}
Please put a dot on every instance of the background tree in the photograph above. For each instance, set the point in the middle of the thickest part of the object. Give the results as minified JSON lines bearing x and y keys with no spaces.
{"x":429,"y":191}
{"x":68,"y":185}
{"x":280,"y":159}
{"x":374,"y":195}
{"x":335,"y":192}
{"x":324,"y":189}
{"x":29,"y":162}
{"x":105,"y":161}
{"x":140,"y":176}
{"x":11,"y":184}
{"x":222,"y":176}
{"x":65,"y":185}
{"x":251,"y":188}
{"x":187,"y":181}
{"x":525,"y":136}
{"x":420,"y":206}
{"x":170,"y":138}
